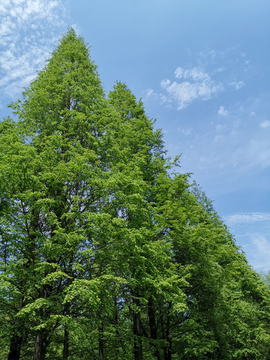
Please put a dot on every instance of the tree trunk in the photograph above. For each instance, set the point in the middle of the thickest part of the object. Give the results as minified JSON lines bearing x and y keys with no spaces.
{"x":40,"y":346}
{"x":153,"y":325}
{"x":65,"y":350}
{"x":100,"y":342}
{"x":15,"y":347}
{"x":137,"y":336}
{"x":137,"y":330}
{"x":168,"y":355}
{"x":119,"y":337}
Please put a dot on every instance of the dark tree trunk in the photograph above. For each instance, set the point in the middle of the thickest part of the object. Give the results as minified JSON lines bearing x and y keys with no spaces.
{"x":137,"y":336}
{"x":65,"y":350}
{"x":15,"y":347}
{"x":137,"y":330}
{"x":119,"y":337}
{"x":40,"y":346}
{"x":153,"y":325}
{"x":100,"y":342}
{"x":168,"y":354}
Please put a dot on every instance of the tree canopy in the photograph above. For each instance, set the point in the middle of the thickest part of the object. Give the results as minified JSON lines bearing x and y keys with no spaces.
{"x":106,"y":250}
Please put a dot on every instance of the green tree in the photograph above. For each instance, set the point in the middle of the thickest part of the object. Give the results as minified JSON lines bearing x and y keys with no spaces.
{"x":106,"y":253}
{"x":58,"y":178}
{"x":80,"y":219}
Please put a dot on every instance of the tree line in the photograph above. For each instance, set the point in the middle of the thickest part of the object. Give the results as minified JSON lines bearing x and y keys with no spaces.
{"x":107,"y":251}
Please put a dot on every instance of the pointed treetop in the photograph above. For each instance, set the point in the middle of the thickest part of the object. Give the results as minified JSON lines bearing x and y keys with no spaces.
{"x":66,"y":90}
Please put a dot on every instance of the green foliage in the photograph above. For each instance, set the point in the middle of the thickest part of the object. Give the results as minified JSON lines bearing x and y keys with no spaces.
{"x":105,"y":252}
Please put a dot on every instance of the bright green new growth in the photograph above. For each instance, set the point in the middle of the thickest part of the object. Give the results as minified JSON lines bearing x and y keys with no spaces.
{"x":105,"y":254}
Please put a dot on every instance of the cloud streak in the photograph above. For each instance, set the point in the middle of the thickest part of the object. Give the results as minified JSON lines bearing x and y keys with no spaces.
{"x":246,"y":218}
{"x":237,"y":84}
{"x":28,"y":32}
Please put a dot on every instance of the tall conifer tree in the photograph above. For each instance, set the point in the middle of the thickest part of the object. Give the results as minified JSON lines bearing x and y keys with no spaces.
{"x":105,"y":253}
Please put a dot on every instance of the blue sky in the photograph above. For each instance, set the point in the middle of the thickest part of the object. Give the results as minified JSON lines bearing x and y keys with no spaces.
{"x":202,"y":70}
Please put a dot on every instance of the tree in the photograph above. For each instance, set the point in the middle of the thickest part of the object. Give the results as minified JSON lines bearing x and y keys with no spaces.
{"x":106,"y":253}
{"x":75,"y":189}
{"x":58,"y":174}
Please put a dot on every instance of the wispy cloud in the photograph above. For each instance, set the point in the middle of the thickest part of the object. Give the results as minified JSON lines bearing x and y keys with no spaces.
{"x":164,"y":83}
{"x":261,"y":252}
{"x":257,"y":250}
{"x":246,"y":218}
{"x":199,"y":85}
{"x":259,"y":151}
{"x":185,"y":131}
{"x":237,"y":84}
{"x":219,"y":127}
{"x":252,"y":232}
{"x":28,"y":32}
{"x":149,"y":92}
{"x":265,"y":124}
{"x":222,"y":111}
{"x":190,"y":84}
{"x":220,"y":69}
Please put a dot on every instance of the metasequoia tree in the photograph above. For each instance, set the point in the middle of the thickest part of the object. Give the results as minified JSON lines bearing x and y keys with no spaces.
{"x":58,"y":178}
{"x":106,"y":253}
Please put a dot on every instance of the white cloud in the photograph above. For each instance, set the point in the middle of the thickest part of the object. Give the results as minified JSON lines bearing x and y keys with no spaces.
{"x":252,"y":232}
{"x":163,"y":98}
{"x":28,"y":32}
{"x":220,"y":69}
{"x":196,"y":84}
{"x":222,"y":111}
{"x":259,"y":151}
{"x":179,"y":73}
{"x":209,"y":54}
{"x":233,"y":132}
{"x":248,"y":218}
{"x":185,"y":131}
{"x":219,"y":138}
{"x":149,"y":92}
{"x":263,"y":246}
{"x":164,"y":83}
{"x":261,"y":252}
{"x":219,"y":127}
{"x":195,"y":74}
{"x":237,"y":84}
{"x":184,"y":93}
{"x":265,"y":124}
